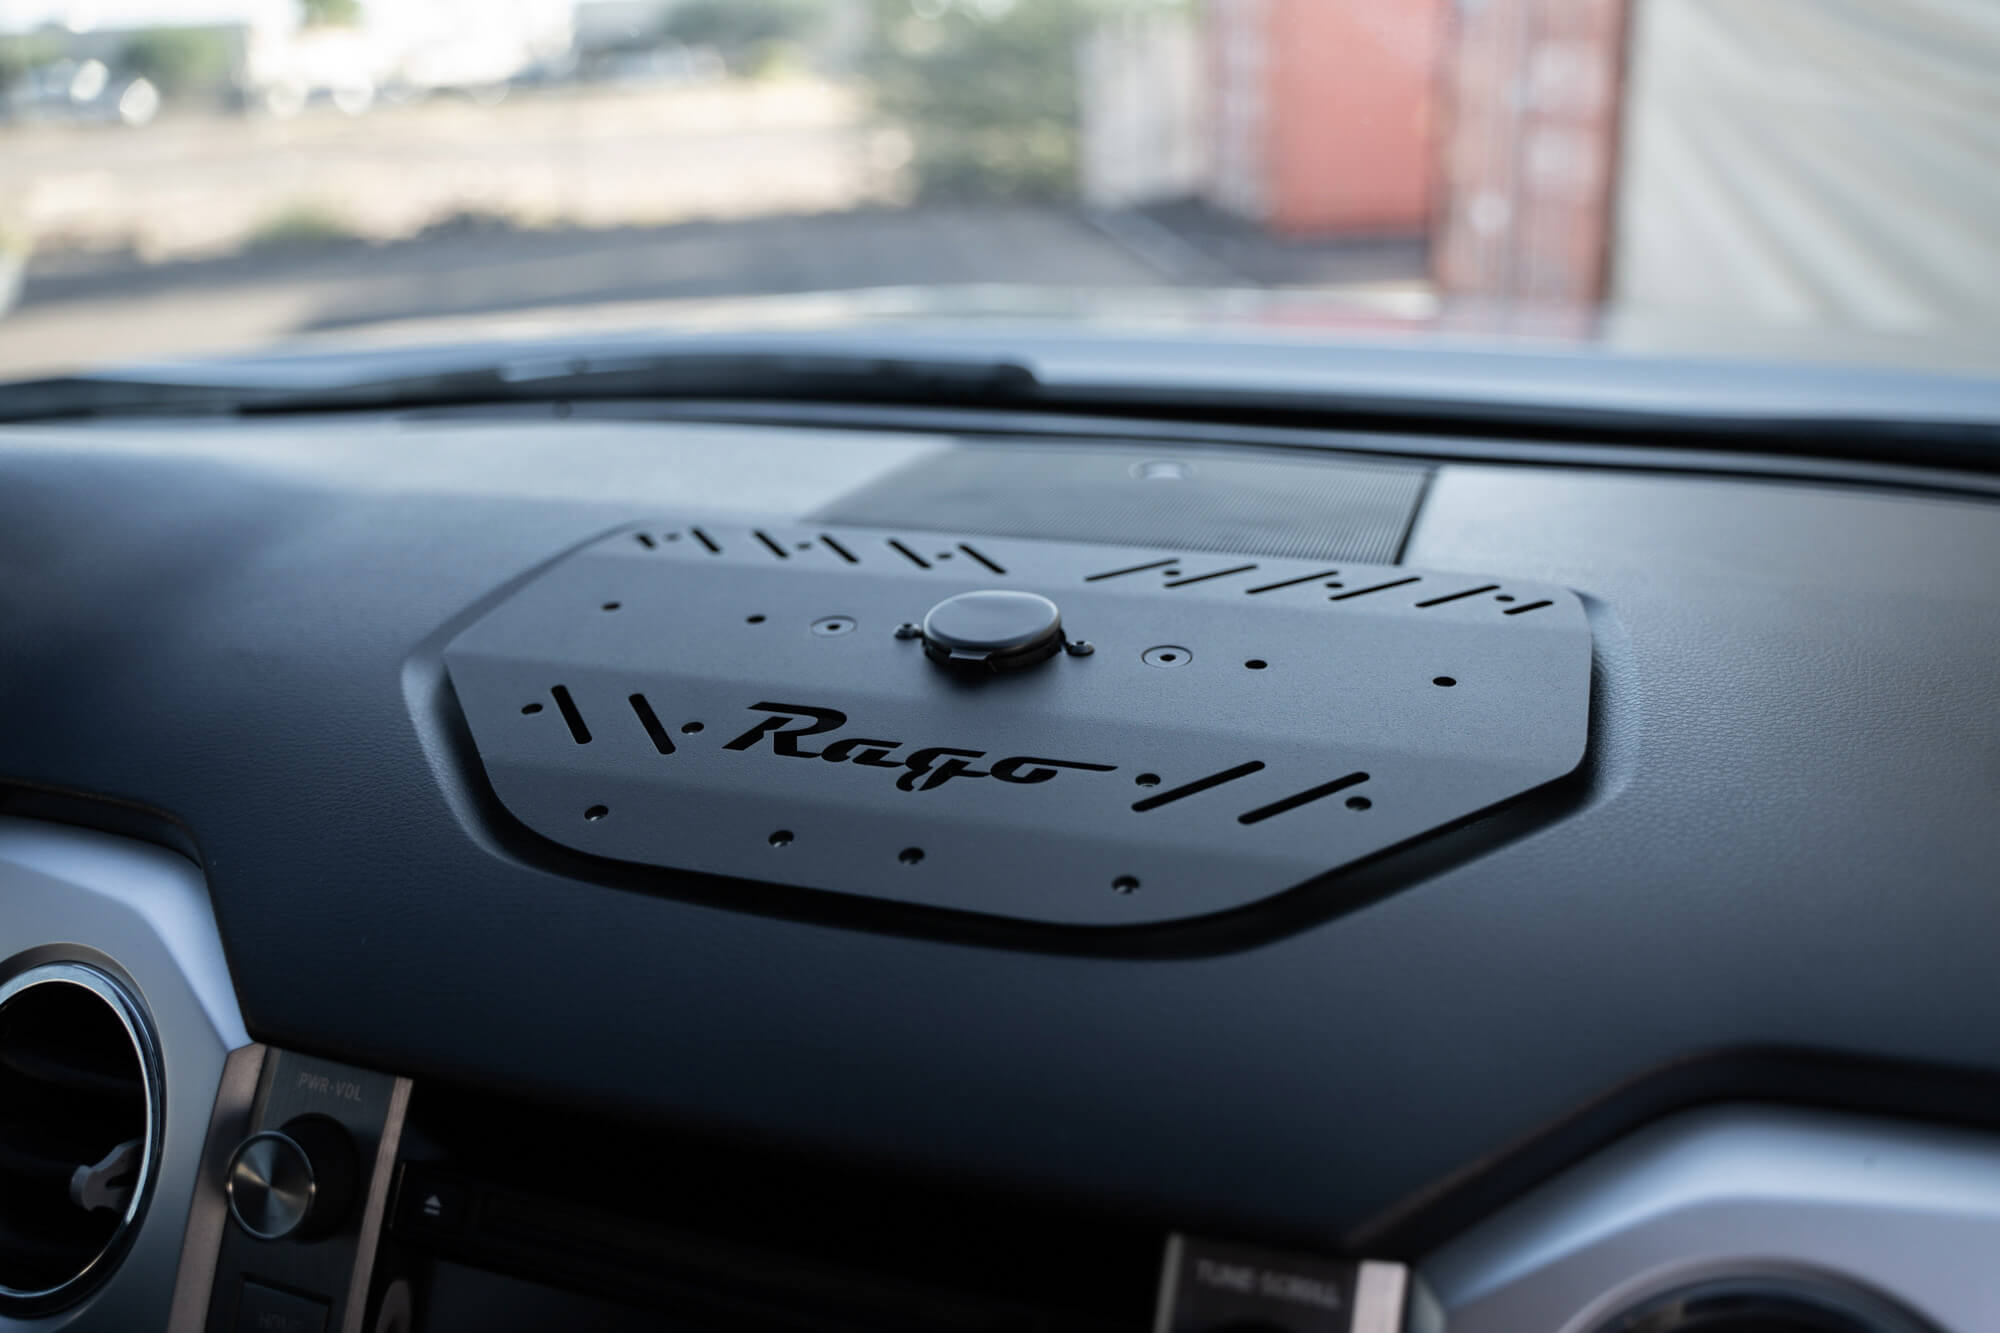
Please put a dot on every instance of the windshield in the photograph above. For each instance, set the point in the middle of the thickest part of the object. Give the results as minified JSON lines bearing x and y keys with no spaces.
{"x":1732,"y":178}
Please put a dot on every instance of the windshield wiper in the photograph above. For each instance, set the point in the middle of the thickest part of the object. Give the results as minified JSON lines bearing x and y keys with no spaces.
{"x":758,"y":375}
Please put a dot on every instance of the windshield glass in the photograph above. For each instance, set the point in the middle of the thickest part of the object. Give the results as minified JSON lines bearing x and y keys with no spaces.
{"x":1731,"y":178}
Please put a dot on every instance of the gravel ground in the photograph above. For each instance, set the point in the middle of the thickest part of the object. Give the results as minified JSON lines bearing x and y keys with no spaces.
{"x":199,"y":236}
{"x":194,"y":186}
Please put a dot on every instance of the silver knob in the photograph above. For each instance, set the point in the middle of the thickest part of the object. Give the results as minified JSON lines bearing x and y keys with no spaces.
{"x":993,"y":630}
{"x":294,"y":1182}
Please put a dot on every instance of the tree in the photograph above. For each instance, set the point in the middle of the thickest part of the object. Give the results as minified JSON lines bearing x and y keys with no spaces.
{"x":986,"y":89}
{"x":331,"y":13}
{"x":744,"y":32}
{"x":179,"y":61}
{"x":23,"y":54}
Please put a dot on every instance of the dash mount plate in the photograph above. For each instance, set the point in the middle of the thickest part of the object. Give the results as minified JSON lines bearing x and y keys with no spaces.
{"x":738,"y":700}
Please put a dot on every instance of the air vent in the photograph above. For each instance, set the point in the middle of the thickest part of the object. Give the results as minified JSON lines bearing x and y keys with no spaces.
{"x":1765,"y":1305}
{"x":79,"y":1125}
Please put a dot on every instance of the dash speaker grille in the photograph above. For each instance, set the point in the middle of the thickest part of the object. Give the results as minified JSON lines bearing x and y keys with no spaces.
{"x":774,"y":701}
{"x":1317,"y":509}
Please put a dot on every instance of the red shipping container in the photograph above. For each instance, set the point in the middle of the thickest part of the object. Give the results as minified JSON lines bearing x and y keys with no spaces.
{"x":1323,"y":113}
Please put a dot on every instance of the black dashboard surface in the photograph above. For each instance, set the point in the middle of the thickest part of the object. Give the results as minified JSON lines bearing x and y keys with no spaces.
{"x":1781,"y":856}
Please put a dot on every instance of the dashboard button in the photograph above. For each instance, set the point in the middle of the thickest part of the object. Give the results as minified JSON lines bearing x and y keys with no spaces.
{"x":263,"y":1309}
{"x":431,"y":1206}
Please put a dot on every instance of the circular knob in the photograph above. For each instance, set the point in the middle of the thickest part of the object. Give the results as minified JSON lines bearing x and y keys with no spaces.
{"x":999,"y":631}
{"x":293,"y":1182}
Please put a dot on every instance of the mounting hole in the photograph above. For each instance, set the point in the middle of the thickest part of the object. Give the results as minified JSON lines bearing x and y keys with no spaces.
{"x":531,"y":708}
{"x":1125,"y":884}
{"x":1358,"y":803}
{"x":690,"y":728}
{"x":1256,"y":664}
{"x":1446,"y":681}
{"x":753,"y":620}
{"x":1166,"y":655}
{"x":670,"y":536}
{"x":1336,"y":584}
{"x":1170,"y":573}
{"x":1148,"y":779}
{"x":910,"y":856}
{"x":943,"y":555}
{"x":612,"y":606}
{"x":830,"y":625}
{"x":805,"y":546}
{"x":1504,"y":597}
{"x":782,"y":838}
{"x":596,"y":812}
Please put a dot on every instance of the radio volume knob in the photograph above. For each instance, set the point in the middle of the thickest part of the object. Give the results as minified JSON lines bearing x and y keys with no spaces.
{"x":296,"y":1182}
{"x":995,"y":630}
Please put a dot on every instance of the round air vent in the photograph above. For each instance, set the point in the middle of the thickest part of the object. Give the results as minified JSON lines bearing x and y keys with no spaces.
{"x":79,"y":1132}
{"x":1765,"y":1305}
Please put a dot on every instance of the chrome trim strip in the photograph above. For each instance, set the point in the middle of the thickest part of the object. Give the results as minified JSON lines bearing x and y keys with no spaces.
{"x":1170,"y":1272}
{"x":163,"y":889}
{"x":376,"y":1206}
{"x":139,"y":914}
{"x":208,"y":1212}
{"x":1910,"y":1212}
{"x":131,"y":1016}
{"x":1379,"y":1289}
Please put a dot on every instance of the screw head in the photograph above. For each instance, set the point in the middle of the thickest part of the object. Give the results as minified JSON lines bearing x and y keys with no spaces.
{"x":906,"y":630}
{"x":1079,"y":647}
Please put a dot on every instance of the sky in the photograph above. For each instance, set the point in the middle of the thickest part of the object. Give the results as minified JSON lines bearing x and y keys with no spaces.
{"x":434,"y":16}
{"x":25,"y":15}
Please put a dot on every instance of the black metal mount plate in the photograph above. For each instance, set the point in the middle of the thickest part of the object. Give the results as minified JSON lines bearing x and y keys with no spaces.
{"x":713,"y":697}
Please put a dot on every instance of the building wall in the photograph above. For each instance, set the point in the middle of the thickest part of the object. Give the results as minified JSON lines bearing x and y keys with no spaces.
{"x":1142,"y":104}
{"x":1795,"y":162}
{"x":1777,"y":162}
{"x":1239,"y":53}
{"x":1350,"y":133}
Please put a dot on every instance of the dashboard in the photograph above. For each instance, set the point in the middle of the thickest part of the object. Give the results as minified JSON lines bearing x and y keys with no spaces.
{"x":614,"y":868}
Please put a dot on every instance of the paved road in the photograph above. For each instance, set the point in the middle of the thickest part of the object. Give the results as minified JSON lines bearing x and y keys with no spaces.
{"x":124,"y":312}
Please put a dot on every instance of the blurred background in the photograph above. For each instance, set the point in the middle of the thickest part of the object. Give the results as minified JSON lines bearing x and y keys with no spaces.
{"x":182,"y":176}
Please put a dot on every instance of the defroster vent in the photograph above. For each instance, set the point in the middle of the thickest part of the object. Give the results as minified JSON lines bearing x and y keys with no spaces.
{"x":79,"y":1132}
